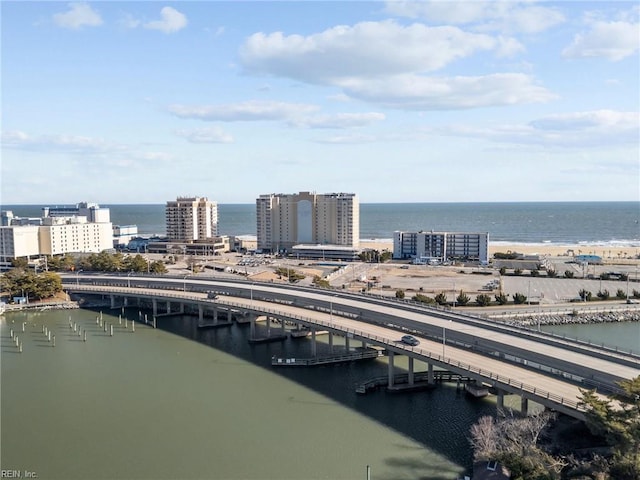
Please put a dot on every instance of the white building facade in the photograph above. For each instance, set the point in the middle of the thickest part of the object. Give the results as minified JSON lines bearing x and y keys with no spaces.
{"x":285,"y":220}
{"x":191,"y":219}
{"x":84,"y":228}
{"x":441,"y":246}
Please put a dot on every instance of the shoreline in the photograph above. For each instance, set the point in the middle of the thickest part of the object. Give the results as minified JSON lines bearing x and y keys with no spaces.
{"x":607,"y":252}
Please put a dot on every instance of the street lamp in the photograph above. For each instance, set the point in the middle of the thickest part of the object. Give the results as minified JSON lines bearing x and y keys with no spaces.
{"x":129,"y":279}
{"x":252,"y":296}
{"x":78,"y":273}
{"x":444,"y":337}
{"x":184,"y":283}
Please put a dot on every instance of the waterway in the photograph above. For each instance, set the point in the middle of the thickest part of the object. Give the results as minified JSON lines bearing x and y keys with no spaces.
{"x":155,"y":404}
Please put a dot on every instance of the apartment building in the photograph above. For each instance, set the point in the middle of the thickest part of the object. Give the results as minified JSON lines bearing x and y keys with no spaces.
{"x":84,"y":228}
{"x":191,"y":219}
{"x":285,"y":220}
{"x":59,"y":235}
{"x":432,"y":246}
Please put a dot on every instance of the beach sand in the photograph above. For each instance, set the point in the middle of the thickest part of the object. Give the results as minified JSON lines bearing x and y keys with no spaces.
{"x":551,"y":250}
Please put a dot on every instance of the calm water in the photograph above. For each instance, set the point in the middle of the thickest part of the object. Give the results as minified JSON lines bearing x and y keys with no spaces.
{"x":606,"y":223}
{"x":155,"y":404}
{"x":179,"y":402}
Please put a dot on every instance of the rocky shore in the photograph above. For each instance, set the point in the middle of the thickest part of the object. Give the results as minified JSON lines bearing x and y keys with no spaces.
{"x":580,"y":318}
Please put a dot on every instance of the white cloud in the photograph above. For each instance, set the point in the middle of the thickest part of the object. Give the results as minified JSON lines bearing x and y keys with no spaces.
{"x":611,"y":40}
{"x":128,"y":21}
{"x":386,"y":64}
{"x":367,"y":49}
{"x":348,"y":139}
{"x":506,"y":16}
{"x":79,"y":15}
{"x":61,"y":143}
{"x":340,"y":120}
{"x":206,"y":135}
{"x":593,"y":129}
{"x":413,"y":92}
{"x":246,"y":111}
{"x":171,"y":22}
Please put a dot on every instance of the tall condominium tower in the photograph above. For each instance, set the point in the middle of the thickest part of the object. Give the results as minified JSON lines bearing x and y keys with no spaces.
{"x":285,"y":220}
{"x":190,"y":219}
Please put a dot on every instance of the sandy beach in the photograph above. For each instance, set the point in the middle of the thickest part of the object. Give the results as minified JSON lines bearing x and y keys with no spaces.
{"x":552,"y":250}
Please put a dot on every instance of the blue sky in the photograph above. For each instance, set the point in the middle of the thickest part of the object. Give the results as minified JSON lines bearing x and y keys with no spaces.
{"x":421,"y":101}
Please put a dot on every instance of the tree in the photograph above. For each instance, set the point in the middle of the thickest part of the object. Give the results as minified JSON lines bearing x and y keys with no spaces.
{"x":517,"y":271}
{"x":400,"y":294}
{"x":604,"y":294}
{"x":620,"y":294}
{"x":21,"y":262}
{"x":501,"y":298}
{"x":502,"y":270}
{"x":513,"y":441}
{"x":636,"y":293}
{"x":585,"y":295}
{"x":568,"y":274}
{"x":519,"y":298}
{"x":157,"y":267}
{"x":619,"y":425}
{"x":463,"y":298}
{"x":18,"y":282}
{"x":321,"y":282}
{"x":135,"y":263}
{"x":441,"y":298}
{"x":551,"y":273}
{"x":423,"y":299}
{"x":483,"y":300}
{"x":535,"y":273}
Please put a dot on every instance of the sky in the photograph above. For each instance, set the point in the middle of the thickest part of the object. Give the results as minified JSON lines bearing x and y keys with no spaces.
{"x":400,"y":101}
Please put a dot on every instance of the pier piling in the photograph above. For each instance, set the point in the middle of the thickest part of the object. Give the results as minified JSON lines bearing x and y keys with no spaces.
{"x":111,"y":331}
{"x":53,"y":344}
{"x":85,"y":336}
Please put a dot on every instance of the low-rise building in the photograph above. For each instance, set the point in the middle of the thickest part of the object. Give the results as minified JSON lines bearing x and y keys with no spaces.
{"x":441,"y":246}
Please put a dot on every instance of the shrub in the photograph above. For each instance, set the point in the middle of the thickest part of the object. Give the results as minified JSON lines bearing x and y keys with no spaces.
{"x":604,"y":294}
{"x":463,"y":298}
{"x":519,"y":298}
{"x":441,"y":298}
{"x":585,"y":295}
{"x":483,"y":300}
{"x":501,"y":298}
{"x":568,"y":274}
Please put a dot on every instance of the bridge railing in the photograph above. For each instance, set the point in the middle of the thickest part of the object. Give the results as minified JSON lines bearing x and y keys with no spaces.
{"x":486,"y":374}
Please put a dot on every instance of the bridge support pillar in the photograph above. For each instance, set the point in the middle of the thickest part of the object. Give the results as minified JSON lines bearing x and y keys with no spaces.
{"x":330,"y":342}
{"x":138,"y":301}
{"x":125,"y":301}
{"x":364,"y":344}
{"x":410,"y":370}
{"x":390,"y":374}
{"x":524,"y":406}
{"x":346,"y":343}
{"x":200,"y":314}
{"x":314,"y":350}
{"x":430,"y":373}
{"x":181,"y":307}
{"x":229,"y":316}
{"x":500,"y":401}
{"x":282,"y":325}
{"x":268,"y":324}
{"x":154,"y":302}
{"x":168,"y":306}
{"x":252,"y":322}
{"x":113,"y":300}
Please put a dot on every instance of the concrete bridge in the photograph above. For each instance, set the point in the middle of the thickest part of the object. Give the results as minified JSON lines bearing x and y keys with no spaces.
{"x":536,"y":366}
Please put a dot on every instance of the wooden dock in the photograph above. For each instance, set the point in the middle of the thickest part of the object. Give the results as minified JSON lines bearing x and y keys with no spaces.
{"x":325,"y":360}
{"x":401,"y":381}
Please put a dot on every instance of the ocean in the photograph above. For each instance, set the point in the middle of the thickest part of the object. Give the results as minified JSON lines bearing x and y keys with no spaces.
{"x":590,"y":223}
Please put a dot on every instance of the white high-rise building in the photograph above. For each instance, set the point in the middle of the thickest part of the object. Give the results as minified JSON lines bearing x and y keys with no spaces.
{"x":191,"y":219}
{"x":285,"y":220}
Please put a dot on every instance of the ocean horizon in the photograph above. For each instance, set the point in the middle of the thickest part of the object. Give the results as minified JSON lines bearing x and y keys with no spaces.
{"x":615,"y":223}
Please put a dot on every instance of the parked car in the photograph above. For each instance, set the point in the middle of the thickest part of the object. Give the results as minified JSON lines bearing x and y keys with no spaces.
{"x":410,"y":340}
